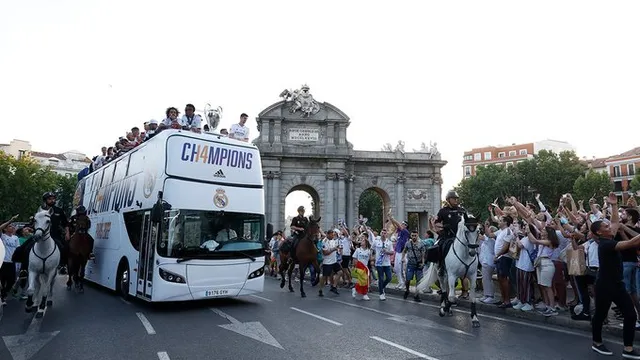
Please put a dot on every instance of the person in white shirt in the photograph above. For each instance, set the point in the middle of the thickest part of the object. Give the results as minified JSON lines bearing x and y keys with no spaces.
{"x":8,"y":269}
{"x":347,"y":248}
{"x":503,"y":262}
{"x":190,"y":120}
{"x":525,"y":272}
{"x":383,"y":249}
{"x":331,"y":270}
{"x":487,"y":254}
{"x":239,"y":131}
{"x":362,"y":258}
{"x":172,"y":121}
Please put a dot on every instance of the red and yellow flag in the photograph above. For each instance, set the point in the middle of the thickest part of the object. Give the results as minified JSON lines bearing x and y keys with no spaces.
{"x":361,"y":276}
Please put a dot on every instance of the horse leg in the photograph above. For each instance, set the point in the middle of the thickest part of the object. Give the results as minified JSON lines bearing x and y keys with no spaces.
{"x":303,"y":269}
{"x":51,"y":283}
{"x":70,"y":265}
{"x":444,"y":302}
{"x":292,"y":265}
{"x":281,"y":270}
{"x":451,"y":293}
{"x":30,"y":290}
{"x":316,"y":267}
{"x":83,"y":265}
{"x":472,"y":293}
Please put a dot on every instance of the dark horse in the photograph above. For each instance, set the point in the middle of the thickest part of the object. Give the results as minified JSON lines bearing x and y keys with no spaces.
{"x":80,"y":248}
{"x":306,"y":254}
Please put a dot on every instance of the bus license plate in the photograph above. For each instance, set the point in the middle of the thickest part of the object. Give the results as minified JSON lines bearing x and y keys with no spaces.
{"x":218,"y":292}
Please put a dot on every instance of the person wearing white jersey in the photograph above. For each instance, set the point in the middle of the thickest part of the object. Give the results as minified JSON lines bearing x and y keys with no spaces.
{"x":190,"y":120}
{"x":331,"y":270}
{"x":347,"y":247}
{"x":239,"y":131}
{"x":383,"y":249}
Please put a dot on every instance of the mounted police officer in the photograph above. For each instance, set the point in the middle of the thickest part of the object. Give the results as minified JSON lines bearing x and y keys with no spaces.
{"x":59,"y":226}
{"x":298,"y":228}
{"x":80,"y":223}
{"x":449,"y":217}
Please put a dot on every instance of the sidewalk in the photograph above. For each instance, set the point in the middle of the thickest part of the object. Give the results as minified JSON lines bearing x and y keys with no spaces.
{"x":563,"y":319}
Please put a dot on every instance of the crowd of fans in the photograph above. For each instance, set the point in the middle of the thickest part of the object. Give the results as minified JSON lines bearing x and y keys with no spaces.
{"x":190,"y":121}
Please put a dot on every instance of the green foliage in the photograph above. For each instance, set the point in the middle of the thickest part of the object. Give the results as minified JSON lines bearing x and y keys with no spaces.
{"x":371,"y":206}
{"x":635,"y":183}
{"x":593,"y":182}
{"x":547,"y":173}
{"x":22,"y":183}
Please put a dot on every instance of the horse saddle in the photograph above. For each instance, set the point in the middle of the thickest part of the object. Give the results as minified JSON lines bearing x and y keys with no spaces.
{"x":438,"y":252}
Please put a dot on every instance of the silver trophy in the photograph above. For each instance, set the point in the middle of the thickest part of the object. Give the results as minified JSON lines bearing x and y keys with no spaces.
{"x":213,"y":116}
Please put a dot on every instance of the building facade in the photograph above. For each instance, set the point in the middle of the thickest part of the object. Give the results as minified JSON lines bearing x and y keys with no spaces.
{"x":508,"y":155}
{"x":69,"y":163}
{"x":621,"y":169}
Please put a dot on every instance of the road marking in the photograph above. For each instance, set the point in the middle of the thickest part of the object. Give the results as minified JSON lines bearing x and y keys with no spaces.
{"x":397,"y":346}
{"x":162,"y":355}
{"x":146,"y":323}
{"x":253,"y":329}
{"x":23,"y":347}
{"x":537,"y":326}
{"x":415,"y":320}
{"x":262,"y":298}
{"x":124,"y":301}
{"x":316,"y":316}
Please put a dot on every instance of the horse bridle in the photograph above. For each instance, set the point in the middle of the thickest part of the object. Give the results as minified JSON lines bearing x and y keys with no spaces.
{"x":45,"y":233}
{"x":468,"y":246}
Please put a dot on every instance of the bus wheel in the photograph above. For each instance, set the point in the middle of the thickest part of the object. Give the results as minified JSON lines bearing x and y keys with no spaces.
{"x":123,"y":280}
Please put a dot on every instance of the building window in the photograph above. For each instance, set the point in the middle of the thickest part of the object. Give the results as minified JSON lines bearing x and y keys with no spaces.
{"x":487,"y":155}
{"x":467,"y":171}
{"x":631,"y":169}
{"x":501,"y":154}
{"x":523,"y":151}
{"x":617,"y":186}
{"x":616,"y":171}
{"x":477,"y":156}
{"x":512,"y":153}
{"x":468,"y":157}
{"x":509,"y":164}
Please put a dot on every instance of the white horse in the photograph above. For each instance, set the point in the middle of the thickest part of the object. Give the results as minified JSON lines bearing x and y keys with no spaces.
{"x":460,"y":262}
{"x":43,"y":263}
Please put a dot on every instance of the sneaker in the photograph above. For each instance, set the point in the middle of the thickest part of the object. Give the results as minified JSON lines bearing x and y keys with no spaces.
{"x":526,"y":307}
{"x":514,"y":301}
{"x":518,"y":306}
{"x":505,"y":306}
{"x":541,"y":306}
{"x":560,"y":308}
{"x":489,"y":300}
{"x":601,"y":349}
{"x":353,"y":292}
{"x":334,"y":290}
{"x":365,"y":297}
{"x":550,"y":312}
{"x":633,"y":354}
{"x":406,"y":294}
{"x":582,"y":317}
{"x":382,"y":297}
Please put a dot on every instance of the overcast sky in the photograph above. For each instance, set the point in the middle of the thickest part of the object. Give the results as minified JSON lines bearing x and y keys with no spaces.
{"x":78,"y":74}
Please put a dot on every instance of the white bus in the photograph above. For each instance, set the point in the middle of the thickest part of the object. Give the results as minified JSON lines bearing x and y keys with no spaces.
{"x":180,"y":217}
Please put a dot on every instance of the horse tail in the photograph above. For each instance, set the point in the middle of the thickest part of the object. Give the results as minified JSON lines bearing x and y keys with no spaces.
{"x":429,"y":278}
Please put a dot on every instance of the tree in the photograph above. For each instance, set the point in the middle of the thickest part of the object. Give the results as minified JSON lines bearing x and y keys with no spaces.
{"x":65,"y":191}
{"x":635,"y":183}
{"x":371,"y":206}
{"x":22,"y":183}
{"x":592,"y":183}
{"x":547,"y":173}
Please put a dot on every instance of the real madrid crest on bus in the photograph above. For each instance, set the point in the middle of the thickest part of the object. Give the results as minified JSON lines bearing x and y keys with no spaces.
{"x":220,"y":199}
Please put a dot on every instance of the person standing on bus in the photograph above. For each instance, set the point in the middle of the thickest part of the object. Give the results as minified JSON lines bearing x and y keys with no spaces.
{"x":239,"y":131}
{"x":190,"y":120}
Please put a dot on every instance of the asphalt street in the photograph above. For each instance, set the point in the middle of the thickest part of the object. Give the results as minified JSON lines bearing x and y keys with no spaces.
{"x":275,"y":325}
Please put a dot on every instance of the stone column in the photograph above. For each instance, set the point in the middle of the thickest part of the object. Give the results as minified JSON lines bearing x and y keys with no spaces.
{"x":277,"y":131}
{"x":341,"y":211}
{"x":263,"y":127}
{"x":423,"y":222}
{"x":275,"y":202}
{"x":329,"y":216}
{"x":267,"y":196}
{"x":437,"y":193}
{"x":349,"y":216}
{"x":330,"y":134}
{"x":400,"y":213}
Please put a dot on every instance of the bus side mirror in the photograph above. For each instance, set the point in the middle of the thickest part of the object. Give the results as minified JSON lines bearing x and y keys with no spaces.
{"x":157,"y":211}
{"x":269,"y":231}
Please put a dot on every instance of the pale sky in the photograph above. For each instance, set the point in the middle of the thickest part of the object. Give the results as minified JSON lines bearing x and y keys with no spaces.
{"x":78,"y":74}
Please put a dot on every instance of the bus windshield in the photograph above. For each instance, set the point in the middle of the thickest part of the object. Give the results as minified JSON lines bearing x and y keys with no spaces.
{"x":195,"y":232}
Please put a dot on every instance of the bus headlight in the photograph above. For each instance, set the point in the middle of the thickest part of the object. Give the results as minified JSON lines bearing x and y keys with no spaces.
{"x":171,"y":277}
{"x":257,"y":273}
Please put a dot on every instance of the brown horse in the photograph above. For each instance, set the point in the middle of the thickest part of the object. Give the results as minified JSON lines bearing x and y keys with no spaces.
{"x":306,"y":254}
{"x":80,"y":247}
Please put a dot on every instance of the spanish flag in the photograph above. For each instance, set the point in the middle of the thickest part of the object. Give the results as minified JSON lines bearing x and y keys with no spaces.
{"x":361,"y":275}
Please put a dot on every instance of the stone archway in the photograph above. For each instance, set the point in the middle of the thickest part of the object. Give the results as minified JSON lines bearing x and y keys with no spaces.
{"x":374,"y":204}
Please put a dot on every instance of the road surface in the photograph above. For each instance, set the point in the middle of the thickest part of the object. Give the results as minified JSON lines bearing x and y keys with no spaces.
{"x":274,"y":325}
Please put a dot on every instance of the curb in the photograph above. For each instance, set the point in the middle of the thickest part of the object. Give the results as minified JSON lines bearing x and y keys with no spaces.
{"x":561,"y":320}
